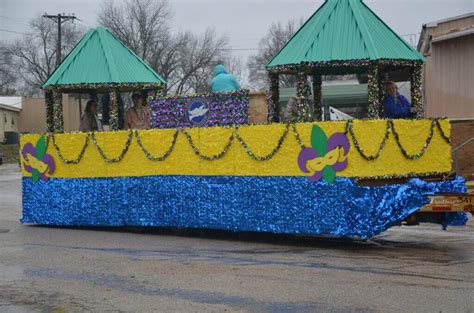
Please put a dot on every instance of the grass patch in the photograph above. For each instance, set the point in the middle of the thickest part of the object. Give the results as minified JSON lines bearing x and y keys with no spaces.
{"x":10,"y":153}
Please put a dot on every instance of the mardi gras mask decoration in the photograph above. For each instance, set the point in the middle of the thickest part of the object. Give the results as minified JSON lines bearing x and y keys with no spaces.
{"x":325,"y":157}
{"x":36,"y":161}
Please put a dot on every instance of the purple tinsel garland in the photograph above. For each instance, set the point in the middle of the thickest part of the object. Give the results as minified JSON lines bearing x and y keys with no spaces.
{"x":224,"y":109}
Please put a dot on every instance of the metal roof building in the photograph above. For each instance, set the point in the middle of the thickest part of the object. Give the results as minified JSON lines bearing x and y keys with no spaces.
{"x":448,"y":46}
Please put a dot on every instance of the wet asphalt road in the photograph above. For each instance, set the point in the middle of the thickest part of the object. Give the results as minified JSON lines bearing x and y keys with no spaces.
{"x":406,"y":269}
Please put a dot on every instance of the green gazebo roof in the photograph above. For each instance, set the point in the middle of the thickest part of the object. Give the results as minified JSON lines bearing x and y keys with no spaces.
{"x":343,"y":30}
{"x":100,"y":58}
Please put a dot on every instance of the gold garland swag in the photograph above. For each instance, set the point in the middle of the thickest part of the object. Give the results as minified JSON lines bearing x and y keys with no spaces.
{"x":349,"y":130}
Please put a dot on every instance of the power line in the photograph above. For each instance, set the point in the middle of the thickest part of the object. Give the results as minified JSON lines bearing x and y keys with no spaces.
{"x":15,"y":20}
{"x":239,"y":49}
{"x":411,"y":34}
{"x":83,"y":22}
{"x":223,"y":49}
{"x":14,"y":32}
{"x":15,"y":17}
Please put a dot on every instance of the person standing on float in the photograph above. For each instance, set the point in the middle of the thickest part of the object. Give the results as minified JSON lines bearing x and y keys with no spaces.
{"x":89,"y":119}
{"x":138,"y":116}
{"x":223,"y":81}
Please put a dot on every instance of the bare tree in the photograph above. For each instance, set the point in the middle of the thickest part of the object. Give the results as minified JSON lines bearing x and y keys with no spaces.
{"x":7,"y":73}
{"x":34,"y":54}
{"x":140,"y":24}
{"x":199,"y":53}
{"x":201,"y":81}
{"x":268,"y":47}
{"x":144,"y":26}
{"x":165,"y":58}
{"x":234,"y":64}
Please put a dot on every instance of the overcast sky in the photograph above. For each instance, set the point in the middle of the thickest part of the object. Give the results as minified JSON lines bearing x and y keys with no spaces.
{"x":243,"y":21}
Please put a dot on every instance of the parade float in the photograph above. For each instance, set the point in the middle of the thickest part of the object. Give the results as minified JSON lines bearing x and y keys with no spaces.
{"x":206,"y":165}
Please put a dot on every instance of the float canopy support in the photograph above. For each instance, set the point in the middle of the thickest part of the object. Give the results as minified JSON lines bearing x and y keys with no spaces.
{"x":416,"y":86}
{"x":317,"y":97}
{"x":274,"y":101}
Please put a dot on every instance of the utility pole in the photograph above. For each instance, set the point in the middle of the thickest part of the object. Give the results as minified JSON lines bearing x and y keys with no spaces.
{"x":59,"y":19}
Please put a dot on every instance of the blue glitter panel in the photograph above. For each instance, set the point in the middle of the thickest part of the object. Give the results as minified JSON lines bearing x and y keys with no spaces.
{"x":236,"y":203}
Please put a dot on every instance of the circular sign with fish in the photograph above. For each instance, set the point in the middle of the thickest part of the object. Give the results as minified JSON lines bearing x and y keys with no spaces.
{"x":197,"y":112}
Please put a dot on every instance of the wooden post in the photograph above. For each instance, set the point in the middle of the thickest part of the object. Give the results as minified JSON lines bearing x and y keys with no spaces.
{"x":58,"y":112}
{"x":274,"y":103}
{"x":317,"y":97}
{"x":383,"y":79}
{"x":49,"y":100}
{"x":374,"y":108}
{"x":144,"y":94}
{"x":114,"y":109}
{"x":302,"y":112}
{"x":80,"y":107}
{"x":416,"y":84}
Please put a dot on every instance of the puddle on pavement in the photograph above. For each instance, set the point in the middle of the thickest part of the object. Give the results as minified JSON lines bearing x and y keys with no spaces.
{"x":13,"y":308}
{"x":10,"y":308}
{"x":11,"y":273}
